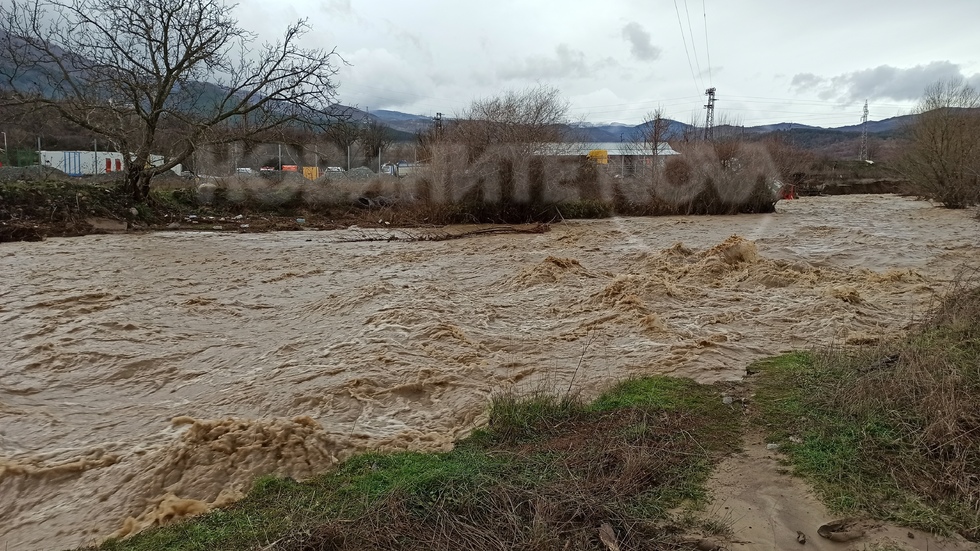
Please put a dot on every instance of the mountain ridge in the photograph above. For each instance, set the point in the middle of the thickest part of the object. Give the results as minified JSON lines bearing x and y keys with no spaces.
{"x":617,"y":131}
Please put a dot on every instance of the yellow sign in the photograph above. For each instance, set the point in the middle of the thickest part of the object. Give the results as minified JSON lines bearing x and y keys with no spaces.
{"x":599,"y":156}
{"x":311,"y":172}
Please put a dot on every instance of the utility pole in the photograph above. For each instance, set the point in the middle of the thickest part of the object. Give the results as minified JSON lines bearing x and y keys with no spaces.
{"x":709,"y":117}
{"x":95,"y":156}
{"x":864,"y":133}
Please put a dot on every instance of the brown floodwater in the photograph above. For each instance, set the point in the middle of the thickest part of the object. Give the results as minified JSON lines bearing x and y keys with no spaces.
{"x":146,"y":377}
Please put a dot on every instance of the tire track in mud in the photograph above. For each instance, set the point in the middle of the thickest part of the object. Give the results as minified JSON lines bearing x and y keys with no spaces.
{"x":151,"y":376}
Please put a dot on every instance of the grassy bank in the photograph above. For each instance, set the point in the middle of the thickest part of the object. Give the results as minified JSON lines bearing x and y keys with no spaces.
{"x":891,"y":430}
{"x":546,"y":473}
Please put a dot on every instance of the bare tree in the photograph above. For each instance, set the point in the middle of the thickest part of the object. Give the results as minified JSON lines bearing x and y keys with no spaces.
{"x":161,"y":76}
{"x":375,"y":137}
{"x":654,"y":131}
{"x":344,"y":134}
{"x":943,"y":156}
{"x":517,"y":118}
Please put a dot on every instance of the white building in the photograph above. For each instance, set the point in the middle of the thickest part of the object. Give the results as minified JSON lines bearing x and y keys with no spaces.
{"x":87,"y":163}
{"x":599,"y":150}
{"x":622,"y":158}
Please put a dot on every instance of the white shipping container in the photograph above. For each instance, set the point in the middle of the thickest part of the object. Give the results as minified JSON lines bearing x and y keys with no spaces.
{"x":87,"y":163}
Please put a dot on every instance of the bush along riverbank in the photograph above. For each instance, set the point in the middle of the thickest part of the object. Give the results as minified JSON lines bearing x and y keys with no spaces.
{"x":52,"y":206}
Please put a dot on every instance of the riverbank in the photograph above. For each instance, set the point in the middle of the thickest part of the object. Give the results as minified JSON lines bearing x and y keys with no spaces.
{"x":133,"y":359}
{"x":45,"y":205}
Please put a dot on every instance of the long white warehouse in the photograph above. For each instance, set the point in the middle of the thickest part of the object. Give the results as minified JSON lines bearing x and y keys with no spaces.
{"x":87,"y":163}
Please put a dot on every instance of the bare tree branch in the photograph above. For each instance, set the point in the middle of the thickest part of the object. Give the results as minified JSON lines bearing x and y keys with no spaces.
{"x":161,"y":76}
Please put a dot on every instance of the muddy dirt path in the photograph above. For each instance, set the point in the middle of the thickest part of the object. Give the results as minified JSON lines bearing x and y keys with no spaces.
{"x":144,"y":377}
{"x":767,"y":508}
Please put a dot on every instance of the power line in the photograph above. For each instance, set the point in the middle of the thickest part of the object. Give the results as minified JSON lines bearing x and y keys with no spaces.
{"x":694,"y":46}
{"x":707,"y":51}
{"x":686,"y":51}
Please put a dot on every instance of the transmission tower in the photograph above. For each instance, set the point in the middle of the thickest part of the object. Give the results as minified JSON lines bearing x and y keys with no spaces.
{"x":864,"y":133}
{"x":709,"y":117}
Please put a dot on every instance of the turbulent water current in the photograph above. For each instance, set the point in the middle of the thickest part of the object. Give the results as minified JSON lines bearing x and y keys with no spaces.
{"x":147,"y":377}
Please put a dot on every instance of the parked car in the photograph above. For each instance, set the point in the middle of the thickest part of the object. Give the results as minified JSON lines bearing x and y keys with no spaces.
{"x":244,"y":170}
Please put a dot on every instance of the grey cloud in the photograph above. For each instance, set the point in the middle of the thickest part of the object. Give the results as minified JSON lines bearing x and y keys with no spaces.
{"x":639,"y":40}
{"x":407,"y":36}
{"x":567,"y":62}
{"x":382,"y":77}
{"x":880,"y":83}
{"x":891,"y":82}
{"x":339,"y":7}
{"x":804,"y":81}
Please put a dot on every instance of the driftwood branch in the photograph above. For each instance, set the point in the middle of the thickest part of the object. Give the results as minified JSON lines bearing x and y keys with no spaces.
{"x":380,"y":234}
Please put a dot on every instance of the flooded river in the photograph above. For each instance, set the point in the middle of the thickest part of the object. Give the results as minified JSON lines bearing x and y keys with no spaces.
{"x":145,"y":377}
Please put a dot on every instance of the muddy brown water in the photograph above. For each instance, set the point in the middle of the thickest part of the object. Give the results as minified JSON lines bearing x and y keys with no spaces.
{"x":146,"y":377}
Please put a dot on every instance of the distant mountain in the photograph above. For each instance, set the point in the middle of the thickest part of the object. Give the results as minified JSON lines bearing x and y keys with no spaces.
{"x":880,"y":127}
{"x":397,"y":116}
{"x":616,"y":131}
{"x":778,"y":127}
{"x":403,"y":122}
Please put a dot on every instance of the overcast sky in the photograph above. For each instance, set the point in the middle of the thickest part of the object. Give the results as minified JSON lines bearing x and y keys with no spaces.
{"x":814,"y":62}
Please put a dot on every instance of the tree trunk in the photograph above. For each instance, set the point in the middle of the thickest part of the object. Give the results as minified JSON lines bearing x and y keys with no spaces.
{"x":137,"y":183}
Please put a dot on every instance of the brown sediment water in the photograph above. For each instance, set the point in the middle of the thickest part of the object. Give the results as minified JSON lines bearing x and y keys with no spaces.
{"x":148,"y":377}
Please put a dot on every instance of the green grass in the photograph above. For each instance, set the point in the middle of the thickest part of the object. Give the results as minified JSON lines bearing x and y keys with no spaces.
{"x":860,"y":425}
{"x":544,"y":473}
{"x":278,"y":506}
{"x":663,"y":393}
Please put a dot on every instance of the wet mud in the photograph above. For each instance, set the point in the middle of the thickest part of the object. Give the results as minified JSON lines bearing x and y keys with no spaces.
{"x":148,"y":377}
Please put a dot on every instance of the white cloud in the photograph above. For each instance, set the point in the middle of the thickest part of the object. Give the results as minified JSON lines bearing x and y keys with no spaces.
{"x":639,"y":41}
{"x":567,"y":62}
